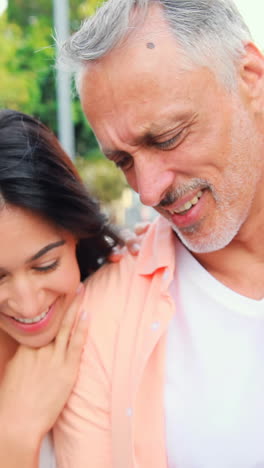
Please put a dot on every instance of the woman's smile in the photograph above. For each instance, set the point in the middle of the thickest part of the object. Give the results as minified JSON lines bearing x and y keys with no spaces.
{"x":38,"y":277}
{"x":35,"y":324}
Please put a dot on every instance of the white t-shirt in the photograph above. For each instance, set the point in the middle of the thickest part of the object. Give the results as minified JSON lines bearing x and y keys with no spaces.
{"x":214,"y":391}
{"x":47,"y":456}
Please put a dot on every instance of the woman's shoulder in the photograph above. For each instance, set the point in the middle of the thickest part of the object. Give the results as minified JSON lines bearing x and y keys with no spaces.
{"x":105,"y":301}
{"x":106,"y":291}
{"x":112,"y":275}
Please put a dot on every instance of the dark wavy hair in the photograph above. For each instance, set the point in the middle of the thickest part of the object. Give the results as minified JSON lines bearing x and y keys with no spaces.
{"x":37,"y":175}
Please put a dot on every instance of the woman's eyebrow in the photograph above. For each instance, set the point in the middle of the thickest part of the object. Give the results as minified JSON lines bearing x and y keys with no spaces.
{"x":46,"y":249}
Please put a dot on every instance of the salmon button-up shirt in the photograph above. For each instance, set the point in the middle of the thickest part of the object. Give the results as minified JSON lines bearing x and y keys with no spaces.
{"x":115,"y":415}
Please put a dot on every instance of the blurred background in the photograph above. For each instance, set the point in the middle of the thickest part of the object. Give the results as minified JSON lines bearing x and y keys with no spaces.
{"x":31,"y":83}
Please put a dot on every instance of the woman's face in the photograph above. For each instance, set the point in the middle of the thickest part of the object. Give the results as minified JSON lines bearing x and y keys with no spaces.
{"x":39,"y":276}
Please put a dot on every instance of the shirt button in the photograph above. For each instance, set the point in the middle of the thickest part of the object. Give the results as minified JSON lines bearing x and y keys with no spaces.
{"x":129,"y":412}
{"x":155,"y":325}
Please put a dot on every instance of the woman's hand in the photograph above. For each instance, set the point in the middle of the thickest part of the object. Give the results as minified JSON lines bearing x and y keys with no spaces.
{"x":37,"y":382}
{"x":132,"y":240}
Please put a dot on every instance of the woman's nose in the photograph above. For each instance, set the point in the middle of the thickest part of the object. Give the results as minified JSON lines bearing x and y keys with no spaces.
{"x":24,"y":299}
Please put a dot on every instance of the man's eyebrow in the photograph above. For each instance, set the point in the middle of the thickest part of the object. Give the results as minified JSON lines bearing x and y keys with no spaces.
{"x":150,"y":133}
{"x":165,"y":125}
{"x":46,"y":249}
{"x":112,"y":154}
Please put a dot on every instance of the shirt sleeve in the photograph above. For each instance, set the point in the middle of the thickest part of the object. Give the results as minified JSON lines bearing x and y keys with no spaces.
{"x":82,"y":432}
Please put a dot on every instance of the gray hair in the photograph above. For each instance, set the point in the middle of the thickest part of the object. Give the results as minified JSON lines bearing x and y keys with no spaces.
{"x":210,"y":33}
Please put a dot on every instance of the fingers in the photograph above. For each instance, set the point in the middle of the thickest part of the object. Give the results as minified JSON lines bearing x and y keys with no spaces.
{"x":127,"y":235}
{"x":117,"y":254}
{"x":133,"y":246}
{"x":69,"y":320}
{"x":131,"y":240}
{"x":141,"y":228}
{"x":77,"y":340}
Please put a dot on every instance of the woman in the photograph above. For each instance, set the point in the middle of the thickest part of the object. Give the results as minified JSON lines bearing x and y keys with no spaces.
{"x":52,"y":237}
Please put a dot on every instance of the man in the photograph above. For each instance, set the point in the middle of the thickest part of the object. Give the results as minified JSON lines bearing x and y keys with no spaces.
{"x":172,"y":374}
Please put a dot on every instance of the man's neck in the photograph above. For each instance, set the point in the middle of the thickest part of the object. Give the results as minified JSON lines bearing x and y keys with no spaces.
{"x":238,"y":267}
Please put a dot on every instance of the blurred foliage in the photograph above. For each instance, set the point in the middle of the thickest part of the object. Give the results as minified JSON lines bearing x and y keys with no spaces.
{"x":88,"y":7}
{"x":28,"y":82}
{"x":27,"y":63}
{"x":19,"y":88}
{"x":101,"y":176}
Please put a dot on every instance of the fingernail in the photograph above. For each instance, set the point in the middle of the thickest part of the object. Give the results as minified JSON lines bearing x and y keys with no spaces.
{"x":79,"y":289}
{"x":115,"y":258}
{"x":135,"y":247}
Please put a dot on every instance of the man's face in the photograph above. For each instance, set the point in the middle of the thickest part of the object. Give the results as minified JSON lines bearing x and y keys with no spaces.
{"x":185,"y":144}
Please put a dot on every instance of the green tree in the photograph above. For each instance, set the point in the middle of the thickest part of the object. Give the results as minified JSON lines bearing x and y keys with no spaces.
{"x":15,"y":91}
{"x":29,"y":63}
{"x":28,"y":76}
{"x":101,"y":176}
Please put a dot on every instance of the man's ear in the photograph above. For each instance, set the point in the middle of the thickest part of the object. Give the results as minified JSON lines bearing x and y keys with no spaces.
{"x":252,"y":74}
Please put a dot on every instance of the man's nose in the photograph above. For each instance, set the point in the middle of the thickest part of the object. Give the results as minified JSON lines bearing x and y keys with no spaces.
{"x":24,"y":299}
{"x":152,"y":181}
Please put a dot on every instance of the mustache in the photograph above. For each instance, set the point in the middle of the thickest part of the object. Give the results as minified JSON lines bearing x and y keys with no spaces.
{"x":176,"y":194}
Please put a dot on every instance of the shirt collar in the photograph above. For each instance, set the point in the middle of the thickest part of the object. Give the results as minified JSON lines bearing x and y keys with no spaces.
{"x":157,"y":248}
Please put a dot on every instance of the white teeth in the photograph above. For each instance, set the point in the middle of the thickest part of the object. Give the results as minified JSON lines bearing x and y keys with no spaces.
{"x":33,"y":320}
{"x":194,"y":200}
{"x":188,"y":204}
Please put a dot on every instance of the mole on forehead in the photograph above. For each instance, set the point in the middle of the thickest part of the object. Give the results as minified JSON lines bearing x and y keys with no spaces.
{"x":151,"y":45}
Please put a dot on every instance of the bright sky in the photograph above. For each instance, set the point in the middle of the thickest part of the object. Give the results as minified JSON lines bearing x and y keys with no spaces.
{"x":252,"y":10}
{"x":3,"y":4}
{"x":253,"y":13}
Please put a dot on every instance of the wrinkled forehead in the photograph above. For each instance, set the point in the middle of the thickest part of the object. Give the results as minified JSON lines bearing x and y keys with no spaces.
{"x":133,"y":83}
{"x":142,"y":43}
